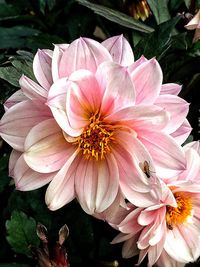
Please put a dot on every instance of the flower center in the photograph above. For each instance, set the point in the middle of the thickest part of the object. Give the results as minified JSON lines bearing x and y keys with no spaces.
{"x":180,"y":214}
{"x":96,"y":138}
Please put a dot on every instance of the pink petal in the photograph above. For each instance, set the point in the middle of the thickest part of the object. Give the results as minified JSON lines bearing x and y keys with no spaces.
{"x":46,"y":149}
{"x":168,"y":156}
{"x":115,"y":213}
{"x":194,"y":22}
{"x":83,"y":98}
{"x":14,"y":156}
{"x":120,"y":50}
{"x":167,"y":261}
{"x":116,"y":82}
{"x":192,"y":172}
{"x":57,"y":55}
{"x":130,"y":224}
{"x":154,"y":252}
{"x":170,"y":89}
{"x":42,"y":68}
{"x":177,"y":109}
{"x":14,"y":99}
{"x":141,"y":117}
{"x":31,"y":89}
{"x":57,"y":103}
{"x":96,"y":183}
{"x":19,"y":119}
{"x":26,"y":179}
{"x":177,"y":246}
{"x":130,"y":248}
{"x":147,"y":79}
{"x":138,"y":62}
{"x":61,"y":190}
{"x":195,"y":145}
{"x":83,"y":53}
{"x":182,"y":133}
{"x":121,"y":237}
{"x":130,"y":153}
{"x":146,"y":217}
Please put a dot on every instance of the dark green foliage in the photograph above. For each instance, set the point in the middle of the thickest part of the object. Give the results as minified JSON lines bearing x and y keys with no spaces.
{"x":21,"y":232}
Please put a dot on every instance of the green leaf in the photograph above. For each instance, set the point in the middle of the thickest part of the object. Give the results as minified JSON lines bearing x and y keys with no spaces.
{"x":11,"y":75}
{"x":21,"y":64}
{"x":175,"y":4}
{"x":16,"y":36}
{"x":51,"y":4}
{"x":117,"y":17}
{"x":7,"y":11}
{"x":21,"y":232}
{"x":160,"y":10}
{"x":158,"y":42}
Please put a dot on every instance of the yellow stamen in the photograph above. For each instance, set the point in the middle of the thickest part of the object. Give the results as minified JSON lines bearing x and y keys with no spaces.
{"x":95,"y":140}
{"x":180,"y":214}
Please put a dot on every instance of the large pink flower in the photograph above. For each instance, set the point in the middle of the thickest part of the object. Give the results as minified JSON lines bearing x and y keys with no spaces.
{"x":168,"y":231}
{"x":94,"y":118}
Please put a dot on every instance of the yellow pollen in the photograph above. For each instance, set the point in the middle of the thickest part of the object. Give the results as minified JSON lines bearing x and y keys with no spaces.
{"x":180,"y":214}
{"x":95,"y":140}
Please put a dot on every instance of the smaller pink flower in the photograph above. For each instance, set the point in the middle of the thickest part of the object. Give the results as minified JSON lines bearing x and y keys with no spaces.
{"x":168,"y":231}
{"x":194,"y":24}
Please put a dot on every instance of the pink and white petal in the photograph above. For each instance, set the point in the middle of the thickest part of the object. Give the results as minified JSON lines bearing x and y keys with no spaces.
{"x":176,"y":107}
{"x":146,"y":217}
{"x":83,"y":98}
{"x":42,"y":68}
{"x":147,"y":79}
{"x":130,"y":248}
{"x":49,"y":52}
{"x":14,"y":156}
{"x":32,"y":90}
{"x":121,"y":237}
{"x":115,"y":213}
{"x":14,"y":99}
{"x":83,"y":53}
{"x":120,"y":50}
{"x":138,"y":62}
{"x":167,"y":261}
{"x":61,"y":189}
{"x":86,"y":179}
{"x":57,"y":55}
{"x":170,"y":89}
{"x":195,"y":145}
{"x":130,"y":223}
{"x":57,"y":103}
{"x":97,"y":184}
{"x":186,"y":186}
{"x":107,"y":184}
{"x":194,"y":22}
{"x":167,"y":155}
{"x":46,"y":149}
{"x":141,"y":117}
{"x":177,"y":246}
{"x":130,"y":154}
{"x":142,"y":255}
{"x":182,"y":133}
{"x":117,"y":86}
{"x":192,"y":172}
{"x":26,"y":179}
{"x":19,"y":119}
{"x":154,"y":253}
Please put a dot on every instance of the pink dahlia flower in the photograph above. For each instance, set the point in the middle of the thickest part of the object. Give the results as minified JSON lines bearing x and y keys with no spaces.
{"x":168,"y":230}
{"x":89,"y":123}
